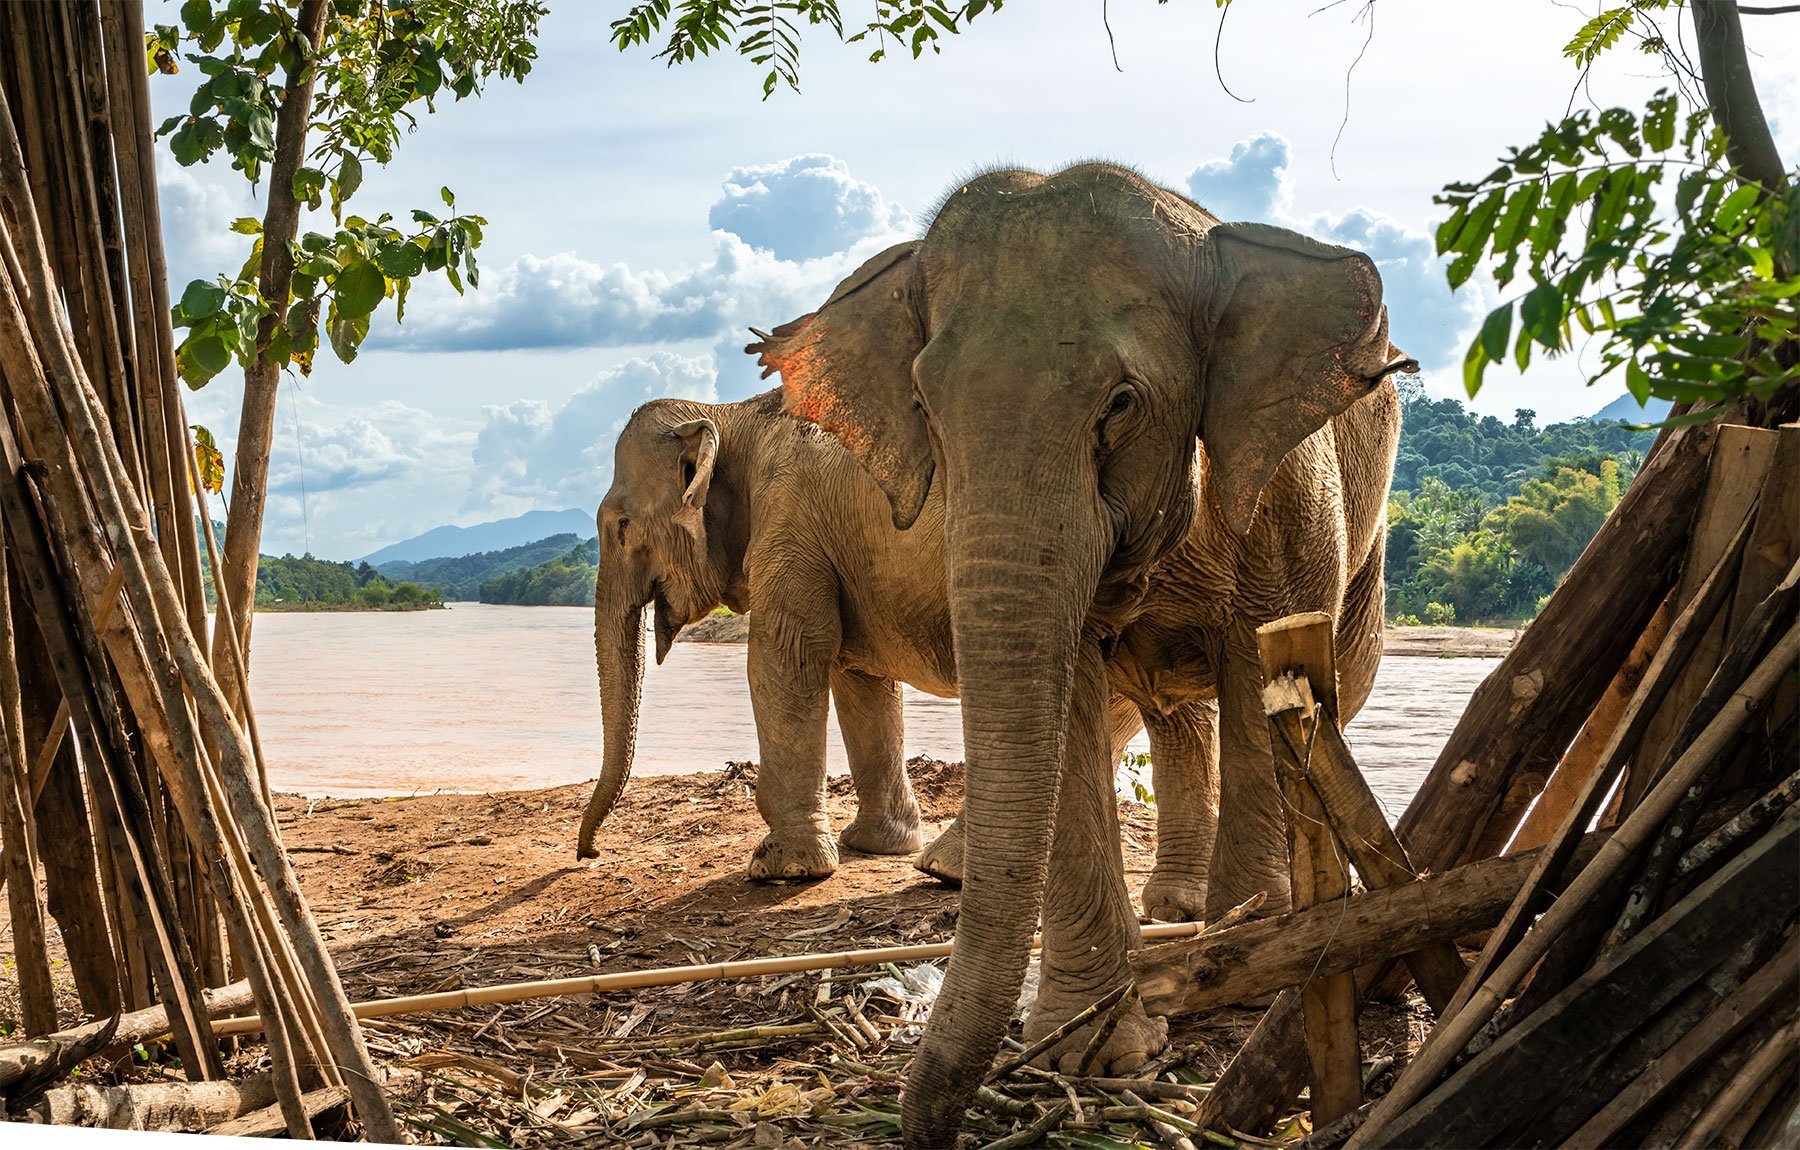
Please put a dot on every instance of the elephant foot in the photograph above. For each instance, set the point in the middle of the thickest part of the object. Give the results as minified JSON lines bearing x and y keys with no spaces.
{"x":792,"y":855}
{"x":1171,"y":896}
{"x":883,"y":834}
{"x":1137,"y":1039}
{"x":943,"y":859}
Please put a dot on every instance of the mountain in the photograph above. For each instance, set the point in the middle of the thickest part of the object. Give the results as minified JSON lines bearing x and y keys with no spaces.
{"x":496,"y":536}
{"x":1626,"y":408}
{"x":460,"y":577}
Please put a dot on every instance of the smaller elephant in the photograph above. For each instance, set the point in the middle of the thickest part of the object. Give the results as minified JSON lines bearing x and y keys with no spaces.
{"x":743,"y":505}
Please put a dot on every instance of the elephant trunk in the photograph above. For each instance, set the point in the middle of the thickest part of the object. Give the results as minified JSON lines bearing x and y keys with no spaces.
{"x":1017,"y":611}
{"x":619,"y":654}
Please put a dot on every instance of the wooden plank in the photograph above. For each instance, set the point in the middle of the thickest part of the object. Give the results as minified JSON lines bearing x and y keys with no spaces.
{"x":1528,"y":710}
{"x":1778,"y":977}
{"x":1318,"y":867}
{"x":1265,"y":955}
{"x":1773,"y":544}
{"x":1565,"y":784}
{"x":1739,"y":464}
{"x":1605,"y":1005}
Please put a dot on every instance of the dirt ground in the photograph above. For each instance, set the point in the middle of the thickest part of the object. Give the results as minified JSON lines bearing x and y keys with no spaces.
{"x":436,"y":893}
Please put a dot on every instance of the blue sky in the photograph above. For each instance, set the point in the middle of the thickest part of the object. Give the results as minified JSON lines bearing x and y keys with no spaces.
{"x":642,"y":217}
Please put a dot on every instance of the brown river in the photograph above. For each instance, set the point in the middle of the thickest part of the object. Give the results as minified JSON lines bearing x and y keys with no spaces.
{"x":479,"y":698}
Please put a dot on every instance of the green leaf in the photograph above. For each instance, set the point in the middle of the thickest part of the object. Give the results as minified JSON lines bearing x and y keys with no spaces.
{"x":1731,"y":213}
{"x":198,"y":360}
{"x":201,"y":299}
{"x":1541,"y":315}
{"x":448,"y":197}
{"x":347,"y":334}
{"x":247,"y":226}
{"x":349,"y":178}
{"x":402,"y":261}
{"x":1495,"y":331}
{"x":358,"y":288}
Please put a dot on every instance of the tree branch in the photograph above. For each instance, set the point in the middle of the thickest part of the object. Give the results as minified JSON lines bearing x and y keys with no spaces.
{"x":1731,"y":92}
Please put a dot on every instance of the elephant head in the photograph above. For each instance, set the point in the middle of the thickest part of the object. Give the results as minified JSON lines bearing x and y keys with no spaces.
{"x":654,"y":548}
{"x":1049,"y":352}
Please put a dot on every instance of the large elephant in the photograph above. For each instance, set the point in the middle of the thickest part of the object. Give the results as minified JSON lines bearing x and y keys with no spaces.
{"x":1190,"y":651}
{"x":1048,"y":353}
{"x":740,"y":504}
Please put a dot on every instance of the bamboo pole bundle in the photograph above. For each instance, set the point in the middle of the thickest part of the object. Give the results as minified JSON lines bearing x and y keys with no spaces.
{"x":98,"y":506}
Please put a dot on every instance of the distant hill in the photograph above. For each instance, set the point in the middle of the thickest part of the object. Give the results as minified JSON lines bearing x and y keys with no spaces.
{"x":566,"y":580}
{"x":496,"y":536}
{"x":460,"y":577}
{"x":1626,"y":408}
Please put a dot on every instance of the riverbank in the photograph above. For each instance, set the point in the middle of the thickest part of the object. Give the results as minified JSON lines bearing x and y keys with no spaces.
{"x":1426,"y":642}
{"x":455,"y":891}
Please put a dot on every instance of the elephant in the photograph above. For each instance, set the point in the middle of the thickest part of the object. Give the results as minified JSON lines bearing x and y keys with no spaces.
{"x":740,"y":504}
{"x":1049,"y":353}
{"x":1191,"y":651}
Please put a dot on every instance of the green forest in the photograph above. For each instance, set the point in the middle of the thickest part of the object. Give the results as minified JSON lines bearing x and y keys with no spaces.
{"x":565,"y":581}
{"x":461,"y":576}
{"x":1484,"y":519}
{"x":303,"y":583}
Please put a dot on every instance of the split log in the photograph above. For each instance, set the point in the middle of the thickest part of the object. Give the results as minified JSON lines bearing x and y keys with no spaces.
{"x":268,"y":1122}
{"x":1684,"y":634}
{"x":1269,"y":954}
{"x":1777,"y":980}
{"x":1740,"y":462}
{"x":1761,"y":1068}
{"x":1527,"y":711}
{"x":1451,"y":1035}
{"x":1577,"y":765}
{"x":1544,"y":1051}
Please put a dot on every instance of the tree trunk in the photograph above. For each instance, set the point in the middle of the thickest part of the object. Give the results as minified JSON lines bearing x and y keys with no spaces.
{"x":256,"y":422}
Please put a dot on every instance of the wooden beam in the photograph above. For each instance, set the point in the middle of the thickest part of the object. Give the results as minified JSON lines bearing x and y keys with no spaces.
{"x":1266,"y":955}
{"x":1292,"y":649}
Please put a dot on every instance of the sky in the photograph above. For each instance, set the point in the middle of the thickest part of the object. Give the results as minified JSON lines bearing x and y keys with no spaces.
{"x":641,"y":218}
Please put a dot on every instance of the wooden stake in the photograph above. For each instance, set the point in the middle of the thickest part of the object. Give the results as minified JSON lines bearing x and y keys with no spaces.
{"x":1317,"y":864}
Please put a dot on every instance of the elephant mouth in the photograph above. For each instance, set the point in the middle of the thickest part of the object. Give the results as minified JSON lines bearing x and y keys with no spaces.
{"x":668,"y":622}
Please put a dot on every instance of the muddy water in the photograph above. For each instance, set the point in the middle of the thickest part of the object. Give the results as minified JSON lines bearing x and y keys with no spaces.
{"x":479,"y":698}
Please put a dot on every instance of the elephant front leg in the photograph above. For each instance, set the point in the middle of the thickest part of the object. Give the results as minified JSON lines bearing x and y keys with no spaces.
{"x":1250,"y":853}
{"x":872,"y":718}
{"x":789,"y":693}
{"x":1088,"y":923}
{"x":1184,"y":758}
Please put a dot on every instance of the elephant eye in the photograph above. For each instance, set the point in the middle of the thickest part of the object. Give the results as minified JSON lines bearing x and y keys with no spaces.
{"x":624,"y":522}
{"x":1121,"y":403}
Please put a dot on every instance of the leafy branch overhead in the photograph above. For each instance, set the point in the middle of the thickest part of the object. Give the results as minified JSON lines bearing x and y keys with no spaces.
{"x":1694,"y":295}
{"x":769,"y":32}
{"x":377,"y":65}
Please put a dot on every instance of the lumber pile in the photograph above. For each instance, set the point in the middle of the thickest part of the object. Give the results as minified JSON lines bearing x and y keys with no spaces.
{"x":1639,"y":982}
{"x":132,"y":798}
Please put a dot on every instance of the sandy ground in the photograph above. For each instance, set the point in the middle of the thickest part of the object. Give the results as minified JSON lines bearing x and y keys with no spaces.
{"x":442,"y":892}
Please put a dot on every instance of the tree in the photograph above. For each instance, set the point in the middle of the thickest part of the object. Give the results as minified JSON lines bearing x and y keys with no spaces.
{"x":353,"y":75}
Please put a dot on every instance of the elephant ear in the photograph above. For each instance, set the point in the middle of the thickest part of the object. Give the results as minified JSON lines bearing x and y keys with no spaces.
{"x":1297,"y":333}
{"x":848,"y":368}
{"x":699,"y":451}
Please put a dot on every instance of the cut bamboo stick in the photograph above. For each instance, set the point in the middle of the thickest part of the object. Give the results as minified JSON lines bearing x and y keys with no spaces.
{"x":667,"y":976}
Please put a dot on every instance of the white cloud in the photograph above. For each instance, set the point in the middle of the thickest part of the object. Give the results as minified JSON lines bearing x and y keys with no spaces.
{"x":531,"y":455}
{"x":783,"y":234}
{"x":197,"y":211}
{"x":1250,"y":184}
{"x":804,"y":207}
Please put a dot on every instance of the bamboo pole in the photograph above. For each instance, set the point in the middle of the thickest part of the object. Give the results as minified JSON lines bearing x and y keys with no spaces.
{"x":31,"y":957}
{"x":1452,"y":1035}
{"x":668,"y":976}
{"x":181,"y":671}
